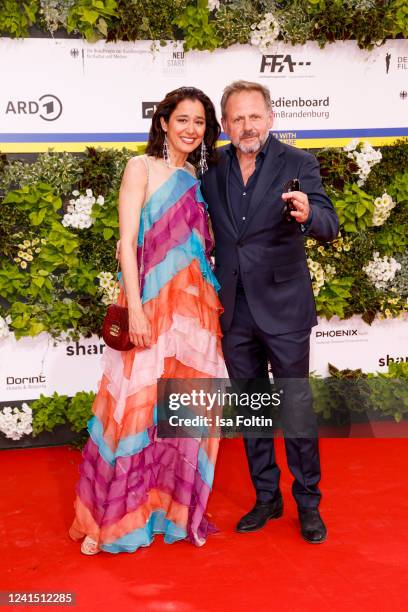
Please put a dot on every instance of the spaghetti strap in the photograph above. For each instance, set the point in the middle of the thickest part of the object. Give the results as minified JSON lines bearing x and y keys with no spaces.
{"x":146,"y":163}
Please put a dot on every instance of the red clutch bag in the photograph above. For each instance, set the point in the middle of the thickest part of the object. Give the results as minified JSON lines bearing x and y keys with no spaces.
{"x":115,"y":329}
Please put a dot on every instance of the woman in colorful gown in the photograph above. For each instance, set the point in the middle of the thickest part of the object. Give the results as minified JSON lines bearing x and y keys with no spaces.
{"x":134,"y":484}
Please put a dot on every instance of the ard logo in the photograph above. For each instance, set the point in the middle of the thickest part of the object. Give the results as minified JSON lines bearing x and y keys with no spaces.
{"x":48,"y":107}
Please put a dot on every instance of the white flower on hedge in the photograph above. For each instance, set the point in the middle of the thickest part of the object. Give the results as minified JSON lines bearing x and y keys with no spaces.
{"x":16,"y":422}
{"x":265,"y":33}
{"x":4,"y":327}
{"x":100,"y":200}
{"x":108,"y":287}
{"x":79,"y":210}
{"x":77,"y":220}
{"x":351,"y":145}
{"x":382,"y":209}
{"x":110,"y":295}
{"x":105,"y":276}
{"x":316,"y":274}
{"x":213,"y":5}
{"x":381,"y":270}
{"x":330,"y":271}
{"x":104,"y":283}
{"x":365,"y":157}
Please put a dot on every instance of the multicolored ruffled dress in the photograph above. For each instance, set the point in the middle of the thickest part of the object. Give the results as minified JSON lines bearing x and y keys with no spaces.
{"x":133,"y":484}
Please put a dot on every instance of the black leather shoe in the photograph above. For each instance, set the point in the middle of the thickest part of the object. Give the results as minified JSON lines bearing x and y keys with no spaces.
{"x":260,"y":514}
{"x":312,"y":528}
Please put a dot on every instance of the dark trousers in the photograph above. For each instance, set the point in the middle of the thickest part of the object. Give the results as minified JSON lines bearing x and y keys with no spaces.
{"x":247,"y":350}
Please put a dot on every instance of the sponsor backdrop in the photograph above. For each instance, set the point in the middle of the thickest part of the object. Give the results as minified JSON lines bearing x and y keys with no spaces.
{"x":69,"y":93}
{"x":32,"y":366}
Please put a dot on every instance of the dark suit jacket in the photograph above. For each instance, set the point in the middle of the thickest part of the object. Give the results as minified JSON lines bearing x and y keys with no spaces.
{"x":269,"y":251}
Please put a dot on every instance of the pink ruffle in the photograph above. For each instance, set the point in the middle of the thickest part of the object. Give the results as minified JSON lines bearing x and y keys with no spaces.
{"x":190,"y":344}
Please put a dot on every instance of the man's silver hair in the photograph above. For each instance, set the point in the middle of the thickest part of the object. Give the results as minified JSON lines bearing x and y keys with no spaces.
{"x":238,"y":86}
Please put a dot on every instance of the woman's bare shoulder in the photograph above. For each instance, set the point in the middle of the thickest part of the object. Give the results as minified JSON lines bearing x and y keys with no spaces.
{"x":135,"y":168}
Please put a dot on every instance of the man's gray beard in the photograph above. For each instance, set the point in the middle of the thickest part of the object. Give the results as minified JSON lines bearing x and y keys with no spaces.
{"x":255,"y":148}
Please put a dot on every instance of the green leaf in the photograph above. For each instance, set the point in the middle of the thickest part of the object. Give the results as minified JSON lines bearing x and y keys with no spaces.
{"x":89,"y":15}
{"x":103,"y":26}
{"x":360,"y":208}
{"x":107,"y":233}
{"x":37,"y":218}
{"x":39,"y":281}
{"x":36,"y":328}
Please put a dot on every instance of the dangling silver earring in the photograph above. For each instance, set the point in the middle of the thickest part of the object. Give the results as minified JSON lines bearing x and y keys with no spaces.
{"x":166,"y":150}
{"x":203,"y":158}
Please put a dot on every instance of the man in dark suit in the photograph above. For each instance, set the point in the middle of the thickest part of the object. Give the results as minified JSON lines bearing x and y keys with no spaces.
{"x":266,"y":290}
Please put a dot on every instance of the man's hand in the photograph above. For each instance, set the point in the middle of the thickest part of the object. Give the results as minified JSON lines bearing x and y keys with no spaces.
{"x":301,"y":202}
{"x":117,"y":254}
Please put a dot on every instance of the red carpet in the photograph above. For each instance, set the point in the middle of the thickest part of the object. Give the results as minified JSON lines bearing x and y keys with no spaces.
{"x":362,"y":566}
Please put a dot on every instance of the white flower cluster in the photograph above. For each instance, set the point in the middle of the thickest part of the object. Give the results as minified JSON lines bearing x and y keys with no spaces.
{"x":15,"y":423}
{"x":4,"y":327}
{"x":27,"y":250}
{"x":382,"y":209}
{"x":319,"y":275}
{"x":55,"y":13}
{"x":79,"y":211}
{"x":365,"y":157}
{"x":381,"y":270}
{"x":330,"y":272}
{"x":265,"y":33}
{"x":213,"y":5}
{"x":108,"y":287}
{"x":316,"y":274}
{"x":363,"y":5}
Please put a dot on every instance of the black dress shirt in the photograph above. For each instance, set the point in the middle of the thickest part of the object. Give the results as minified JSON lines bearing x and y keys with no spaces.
{"x":240,"y":194}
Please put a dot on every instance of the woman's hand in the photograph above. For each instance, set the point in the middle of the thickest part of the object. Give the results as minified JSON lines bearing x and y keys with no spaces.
{"x":140,"y":332}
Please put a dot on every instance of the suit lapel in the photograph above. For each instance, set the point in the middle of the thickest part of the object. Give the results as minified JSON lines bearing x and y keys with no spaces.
{"x":269,"y":174}
{"x":223,"y":172}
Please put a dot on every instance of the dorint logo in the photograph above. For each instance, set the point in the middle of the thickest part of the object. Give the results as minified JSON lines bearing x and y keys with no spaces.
{"x":74,"y":53}
{"x":48,"y":107}
{"x":403,"y":94}
{"x":148,"y":109}
{"x":281,"y":63}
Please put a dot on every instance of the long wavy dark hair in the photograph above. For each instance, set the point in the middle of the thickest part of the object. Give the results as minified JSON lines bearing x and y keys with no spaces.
{"x":165,"y":109}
